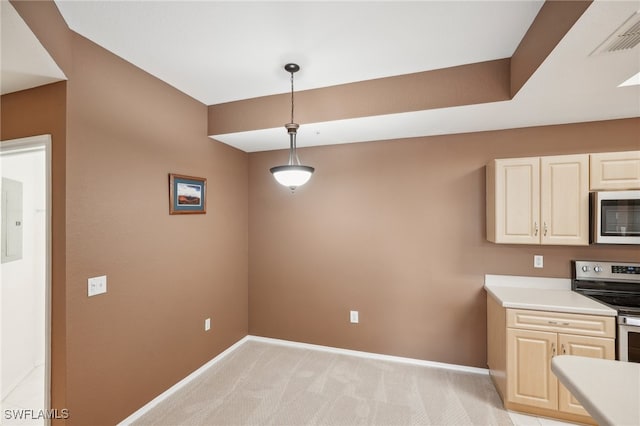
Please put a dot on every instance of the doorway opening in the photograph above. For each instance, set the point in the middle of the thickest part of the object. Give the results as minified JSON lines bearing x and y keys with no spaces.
{"x":25,"y":280}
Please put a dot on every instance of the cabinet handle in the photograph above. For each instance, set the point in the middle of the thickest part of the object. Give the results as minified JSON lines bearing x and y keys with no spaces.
{"x":535,"y":229}
{"x":564,"y":350}
{"x":558,"y":323}
{"x":545,"y":229}
{"x":553,"y":350}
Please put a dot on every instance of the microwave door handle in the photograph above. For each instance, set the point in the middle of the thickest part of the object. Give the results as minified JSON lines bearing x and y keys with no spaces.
{"x":631,"y":321}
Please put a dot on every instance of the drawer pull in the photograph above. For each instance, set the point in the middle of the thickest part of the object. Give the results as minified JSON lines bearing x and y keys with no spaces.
{"x":564,"y":350}
{"x":553,"y":350}
{"x":559,"y":323}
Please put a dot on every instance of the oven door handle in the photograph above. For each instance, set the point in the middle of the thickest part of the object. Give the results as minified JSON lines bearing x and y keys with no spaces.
{"x":631,"y":321}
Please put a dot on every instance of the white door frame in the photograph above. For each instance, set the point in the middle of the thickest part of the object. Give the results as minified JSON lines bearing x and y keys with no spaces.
{"x":15,"y":146}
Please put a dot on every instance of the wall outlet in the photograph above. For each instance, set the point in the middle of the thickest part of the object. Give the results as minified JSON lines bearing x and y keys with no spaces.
{"x":538,"y":261}
{"x":353,"y":317}
{"x":96,"y":285}
{"x":207,"y":324}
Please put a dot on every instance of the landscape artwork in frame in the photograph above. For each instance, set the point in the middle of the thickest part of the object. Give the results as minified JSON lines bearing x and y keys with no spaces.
{"x":187,"y":194}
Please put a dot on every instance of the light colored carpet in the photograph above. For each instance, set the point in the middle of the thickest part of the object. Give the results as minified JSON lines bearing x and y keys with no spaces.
{"x":269,"y":384}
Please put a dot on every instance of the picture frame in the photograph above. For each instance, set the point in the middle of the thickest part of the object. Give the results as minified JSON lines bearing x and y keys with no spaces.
{"x":187,"y":194}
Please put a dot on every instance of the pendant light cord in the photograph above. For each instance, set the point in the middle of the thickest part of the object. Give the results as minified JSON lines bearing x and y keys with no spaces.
{"x":293,"y":154}
{"x":292,"y":97}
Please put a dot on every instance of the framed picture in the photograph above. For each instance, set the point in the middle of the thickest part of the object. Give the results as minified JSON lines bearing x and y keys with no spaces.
{"x":187,"y":194}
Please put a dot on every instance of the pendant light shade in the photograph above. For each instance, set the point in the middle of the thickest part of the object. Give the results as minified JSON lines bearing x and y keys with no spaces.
{"x":293,"y":174}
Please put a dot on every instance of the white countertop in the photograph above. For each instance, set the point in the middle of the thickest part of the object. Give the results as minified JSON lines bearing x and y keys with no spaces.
{"x":542,"y":294}
{"x":608,"y":390}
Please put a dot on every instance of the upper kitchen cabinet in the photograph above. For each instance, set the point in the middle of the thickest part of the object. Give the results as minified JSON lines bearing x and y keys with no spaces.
{"x":539,"y":200}
{"x":615,"y":171}
{"x":565,"y":199}
{"x":513,"y":201}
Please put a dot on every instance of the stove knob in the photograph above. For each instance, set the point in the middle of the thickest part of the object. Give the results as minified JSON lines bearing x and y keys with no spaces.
{"x":597,"y":268}
{"x":585,"y":268}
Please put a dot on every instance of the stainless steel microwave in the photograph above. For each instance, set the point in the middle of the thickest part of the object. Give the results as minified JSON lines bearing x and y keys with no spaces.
{"x":615,"y":217}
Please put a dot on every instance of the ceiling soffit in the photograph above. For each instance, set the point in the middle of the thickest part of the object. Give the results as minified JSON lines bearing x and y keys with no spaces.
{"x":448,"y":87}
{"x":471,"y":84}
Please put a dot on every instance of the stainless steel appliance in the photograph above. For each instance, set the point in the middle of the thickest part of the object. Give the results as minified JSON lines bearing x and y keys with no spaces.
{"x":616,"y":284}
{"x":615,"y":217}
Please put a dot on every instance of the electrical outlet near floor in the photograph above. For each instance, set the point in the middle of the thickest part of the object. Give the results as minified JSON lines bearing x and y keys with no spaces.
{"x":353,"y":317}
{"x":207,"y":324}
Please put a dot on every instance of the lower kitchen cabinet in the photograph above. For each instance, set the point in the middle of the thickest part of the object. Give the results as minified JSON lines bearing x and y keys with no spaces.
{"x":521,"y":344}
{"x":529,"y":377}
{"x":593,"y":347}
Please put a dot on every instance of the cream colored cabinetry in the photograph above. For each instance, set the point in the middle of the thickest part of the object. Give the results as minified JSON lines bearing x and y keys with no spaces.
{"x":564,"y":194}
{"x":521,"y":344}
{"x":539,"y":200}
{"x":592,"y":347}
{"x":529,"y":377}
{"x":513,"y":201}
{"x":610,"y":171}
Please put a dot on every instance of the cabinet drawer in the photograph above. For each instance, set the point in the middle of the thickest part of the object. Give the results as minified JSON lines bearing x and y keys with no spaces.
{"x":587,"y":325}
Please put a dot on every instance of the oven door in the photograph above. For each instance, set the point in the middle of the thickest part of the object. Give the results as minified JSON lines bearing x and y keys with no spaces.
{"x":615,"y":217}
{"x":629,"y":339}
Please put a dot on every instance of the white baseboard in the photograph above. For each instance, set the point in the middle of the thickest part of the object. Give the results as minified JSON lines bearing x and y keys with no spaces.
{"x":164,"y":395}
{"x":370,"y":355}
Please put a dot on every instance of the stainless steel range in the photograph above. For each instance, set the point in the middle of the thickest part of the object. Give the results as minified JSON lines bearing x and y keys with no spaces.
{"x":616,"y":284}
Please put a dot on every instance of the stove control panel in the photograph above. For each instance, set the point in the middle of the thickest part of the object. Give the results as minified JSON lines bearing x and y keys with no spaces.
{"x":602,"y":271}
{"x":624,"y":269}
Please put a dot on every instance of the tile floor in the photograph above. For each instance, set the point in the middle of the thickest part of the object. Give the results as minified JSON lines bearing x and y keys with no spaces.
{"x":28,"y":395}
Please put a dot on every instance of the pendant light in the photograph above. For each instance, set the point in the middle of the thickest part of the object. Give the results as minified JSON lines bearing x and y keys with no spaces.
{"x":293,"y":174}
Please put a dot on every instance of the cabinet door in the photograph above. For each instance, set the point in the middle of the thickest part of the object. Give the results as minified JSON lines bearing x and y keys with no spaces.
{"x":593,"y":347}
{"x":565,"y":199}
{"x":529,"y":377}
{"x":516,"y":201}
{"x":615,"y":170}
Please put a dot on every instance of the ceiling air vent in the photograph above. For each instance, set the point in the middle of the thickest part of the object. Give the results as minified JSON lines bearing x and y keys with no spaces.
{"x":625,"y":37}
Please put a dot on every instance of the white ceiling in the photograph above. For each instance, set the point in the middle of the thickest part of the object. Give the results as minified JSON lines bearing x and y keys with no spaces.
{"x":25,"y":63}
{"x":220,"y":51}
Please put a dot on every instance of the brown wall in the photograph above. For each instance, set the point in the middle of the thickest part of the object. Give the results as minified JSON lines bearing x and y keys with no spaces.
{"x":393,"y":229}
{"x":396,"y":230}
{"x":34,"y":112}
{"x":125,"y":131}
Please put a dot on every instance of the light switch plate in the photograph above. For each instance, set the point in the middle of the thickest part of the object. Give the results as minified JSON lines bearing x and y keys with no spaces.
{"x":353,"y":317}
{"x":538,"y":261}
{"x":97,"y":285}
{"x":207,"y":324}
